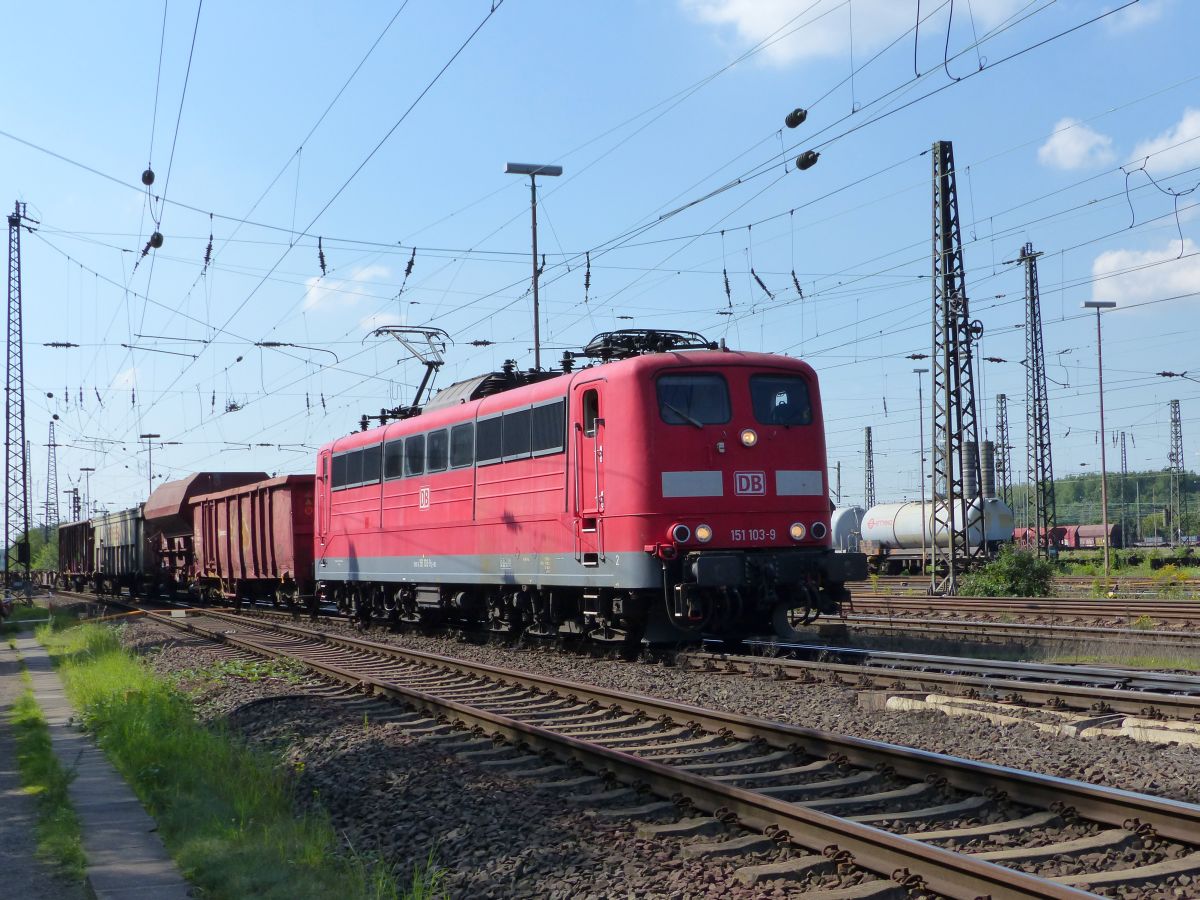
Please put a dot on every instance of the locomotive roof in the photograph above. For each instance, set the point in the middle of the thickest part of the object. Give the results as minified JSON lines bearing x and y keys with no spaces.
{"x":539,"y":386}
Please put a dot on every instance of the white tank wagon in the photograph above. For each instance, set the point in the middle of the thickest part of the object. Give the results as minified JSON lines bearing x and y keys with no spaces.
{"x":895,"y":534}
{"x":845,"y":528}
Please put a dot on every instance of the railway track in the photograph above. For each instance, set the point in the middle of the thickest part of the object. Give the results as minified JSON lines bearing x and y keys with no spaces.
{"x":1057,"y":609}
{"x":752,"y":786}
{"x":983,"y":631}
{"x":1065,"y":586}
{"x":1096,"y":691}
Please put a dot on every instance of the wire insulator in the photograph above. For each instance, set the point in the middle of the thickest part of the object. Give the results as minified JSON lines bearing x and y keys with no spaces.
{"x":766,"y":290}
{"x":796,"y":282}
{"x":587,"y":276}
{"x":321,"y":255}
{"x":728,"y":293}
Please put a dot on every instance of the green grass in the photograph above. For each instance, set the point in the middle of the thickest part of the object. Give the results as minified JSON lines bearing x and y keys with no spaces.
{"x":227,"y":813}
{"x":291,"y":671}
{"x":57,"y":827}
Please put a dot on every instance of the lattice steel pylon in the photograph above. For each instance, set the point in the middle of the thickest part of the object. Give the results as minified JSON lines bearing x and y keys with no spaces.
{"x":16,"y":486}
{"x":1175,"y":466}
{"x":1040,"y":464}
{"x":868,"y":469}
{"x":955,"y":426}
{"x":51,"y":483}
{"x":1003,"y":452}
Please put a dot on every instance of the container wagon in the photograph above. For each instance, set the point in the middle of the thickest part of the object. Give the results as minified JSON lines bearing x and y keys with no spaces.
{"x":76,"y":555}
{"x":168,"y":514}
{"x":120,"y":551}
{"x":255,"y":542}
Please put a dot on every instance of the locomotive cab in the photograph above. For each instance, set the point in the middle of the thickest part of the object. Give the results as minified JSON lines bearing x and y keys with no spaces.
{"x":716,"y":467}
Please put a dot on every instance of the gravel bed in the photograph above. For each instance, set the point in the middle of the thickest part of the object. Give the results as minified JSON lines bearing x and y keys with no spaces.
{"x":1166,"y":770}
{"x":400,"y":798}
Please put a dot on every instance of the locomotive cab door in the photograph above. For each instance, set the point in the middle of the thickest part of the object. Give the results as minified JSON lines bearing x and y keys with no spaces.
{"x":588,"y":418}
{"x":323,"y":497}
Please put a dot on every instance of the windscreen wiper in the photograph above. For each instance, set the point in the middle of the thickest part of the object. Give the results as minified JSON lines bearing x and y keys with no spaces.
{"x":684,"y":416}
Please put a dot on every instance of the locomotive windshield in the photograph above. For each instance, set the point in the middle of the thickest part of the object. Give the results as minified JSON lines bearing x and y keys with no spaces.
{"x":780,"y":400}
{"x":694,"y":399}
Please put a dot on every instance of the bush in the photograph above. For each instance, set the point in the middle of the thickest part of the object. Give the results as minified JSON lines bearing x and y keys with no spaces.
{"x":1014,"y":573}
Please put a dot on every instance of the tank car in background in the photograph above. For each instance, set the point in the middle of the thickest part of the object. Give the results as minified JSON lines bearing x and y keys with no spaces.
{"x":899,"y":537}
{"x":671,"y":490}
{"x":845,"y":528}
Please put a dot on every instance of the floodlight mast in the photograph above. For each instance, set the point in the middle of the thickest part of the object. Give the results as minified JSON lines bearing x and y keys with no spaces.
{"x":533,"y":170}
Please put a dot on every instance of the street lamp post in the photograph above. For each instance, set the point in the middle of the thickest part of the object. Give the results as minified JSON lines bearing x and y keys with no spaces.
{"x":150,"y":458}
{"x":1098,"y":305}
{"x":921,"y":429}
{"x":533,"y":171}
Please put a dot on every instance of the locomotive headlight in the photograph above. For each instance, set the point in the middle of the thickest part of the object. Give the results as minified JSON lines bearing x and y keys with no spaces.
{"x":680,"y":533}
{"x":797,"y":531}
{"x":703,"y":534}
{"x":749,"y":437}
{"x":818,"y":530}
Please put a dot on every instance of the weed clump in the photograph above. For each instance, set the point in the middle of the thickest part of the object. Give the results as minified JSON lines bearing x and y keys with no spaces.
{"x":1014,"y":573}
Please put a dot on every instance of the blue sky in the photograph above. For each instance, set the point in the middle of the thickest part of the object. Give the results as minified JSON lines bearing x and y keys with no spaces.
{"x":667,"y":118}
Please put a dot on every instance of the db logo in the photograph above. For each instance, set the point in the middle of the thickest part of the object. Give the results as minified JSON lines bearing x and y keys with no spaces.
{"x":750,"y":483}
{"x":424,"y":498}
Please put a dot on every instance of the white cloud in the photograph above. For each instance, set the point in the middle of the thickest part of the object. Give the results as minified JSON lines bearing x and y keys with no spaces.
{"x":1147,"y":12}
{"x":127,"y":378}
{"x":1072,"y":145}
{"x":1141,"y":278}
{"x":824,"y":32}
{"x":1165,"y":156}
{"x":328,"y":292}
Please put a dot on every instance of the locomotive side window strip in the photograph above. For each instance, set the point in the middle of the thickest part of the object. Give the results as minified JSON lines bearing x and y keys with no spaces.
{"x":516,"y":434}
{"x":437,"y":450}
{"x":694,"y":398}
{"x":489,"y":441}
{"x":414,"y":455}
{"x":354,"y":468}
{"x":780,"y":400}
{"x":462,"y":445}
{"x":393,"y":459}
{"x":372,"y":458}
{"x":549,"y":425}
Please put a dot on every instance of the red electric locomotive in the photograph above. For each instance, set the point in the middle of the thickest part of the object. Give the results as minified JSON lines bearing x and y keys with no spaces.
{"x":672,"y":490}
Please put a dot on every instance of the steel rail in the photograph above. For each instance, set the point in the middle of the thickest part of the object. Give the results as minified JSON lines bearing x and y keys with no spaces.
{"x":974,"y":628}
{"x":1183,"y":610}
{"x":891,"y":856}
{"x":1077,"y":697}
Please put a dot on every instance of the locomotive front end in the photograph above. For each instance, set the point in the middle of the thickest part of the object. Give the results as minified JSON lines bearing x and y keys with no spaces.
{"x":742,"y":525}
